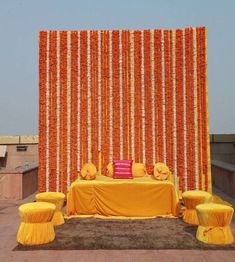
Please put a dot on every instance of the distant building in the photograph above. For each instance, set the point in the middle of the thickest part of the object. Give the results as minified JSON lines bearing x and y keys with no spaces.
{"x":18,"y":166}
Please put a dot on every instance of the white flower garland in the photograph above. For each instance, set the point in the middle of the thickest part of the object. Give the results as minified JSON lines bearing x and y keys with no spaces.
{"x":185,"y":126}
{"x":47,"y":113}
{"x":174,"y":110}
{"x":121,"y":94}
{"x":99,"y":93}
{"x":88,"y":98}
{"x":153,"y":95}
{"x":143,"y":96}
{"x":57,"y":111}
{"x":195,"y":106}
{"x":79,"y":105}
{"x":132,"y":92}
{"x":110,"y":99}
{"x":68,"y":108}
{"x":163,"y":98}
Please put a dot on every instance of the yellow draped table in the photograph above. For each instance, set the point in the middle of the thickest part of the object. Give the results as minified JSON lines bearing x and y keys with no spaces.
{"x":57,"y":199}
{"x":36,"y":226}
{"x":214,"y":223}
{"x":136,"y":198}
{"x":191,"y":199}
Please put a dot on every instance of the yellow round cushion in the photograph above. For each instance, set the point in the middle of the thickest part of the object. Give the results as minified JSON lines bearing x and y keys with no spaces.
{"x":161,"y":171}
{"x":211,"y":214}
{"x":56,"y":198}
{"x":37,"y":212}
{"x":51,"y":195}
{"x":88,"y":171}
{"x":192,"y":198}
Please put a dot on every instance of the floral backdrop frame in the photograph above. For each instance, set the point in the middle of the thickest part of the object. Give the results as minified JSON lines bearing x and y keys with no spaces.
{"x":123,"y":94}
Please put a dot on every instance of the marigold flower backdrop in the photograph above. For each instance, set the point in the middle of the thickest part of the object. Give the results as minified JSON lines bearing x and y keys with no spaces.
{"x":123,"y":94}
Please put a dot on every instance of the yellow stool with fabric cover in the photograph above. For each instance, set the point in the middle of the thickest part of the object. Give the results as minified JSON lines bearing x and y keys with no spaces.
{"x":191,"y":199}
{"x":214,"y":223}
{"x":57,"y":199}
{"x":36,"y":227}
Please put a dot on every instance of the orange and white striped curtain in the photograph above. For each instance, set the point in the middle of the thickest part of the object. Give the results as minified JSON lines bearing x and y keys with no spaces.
{"x":123,"y":94}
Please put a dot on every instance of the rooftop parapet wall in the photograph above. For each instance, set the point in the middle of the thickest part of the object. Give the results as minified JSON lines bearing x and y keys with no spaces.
{"x":222,"y":138}
{"x":21,"y":150}
{"x":33,"y":139}
{"x":15,"y":140}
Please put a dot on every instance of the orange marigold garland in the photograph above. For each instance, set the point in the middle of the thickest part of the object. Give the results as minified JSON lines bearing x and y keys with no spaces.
{"x":52,"y":111}
{"x":199,"y":106}
{"x":94,"y":96}
{"x":42,"y":111}
{"x":188,"y":105}
{"x":180,"y":109}
{"x":126,"y":95}
{"x":158,"y":91}
{"x":148,"y":102}
{"x":63,"y":110}
{"x":190,"y":108}
{"x":137,"y":70}
{"x":83,"y":63}
{"x":169,"y":107}
{"x":116,"y":94}
{"x":204,"y":106}
{"x":104,"y":83}
{"x":168,"y":98}
{"x":74,"y":103}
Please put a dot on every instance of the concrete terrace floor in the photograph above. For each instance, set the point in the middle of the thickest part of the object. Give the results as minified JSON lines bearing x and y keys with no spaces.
{"x":9,"y":223}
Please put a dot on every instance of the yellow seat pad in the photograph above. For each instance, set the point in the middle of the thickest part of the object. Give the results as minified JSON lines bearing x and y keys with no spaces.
{"x":36,"y":212}
{"x":51,"y":195}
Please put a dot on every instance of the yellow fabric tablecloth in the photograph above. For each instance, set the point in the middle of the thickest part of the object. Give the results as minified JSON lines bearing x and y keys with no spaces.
{"x":108,"y":197}
{"x":214,"y":223}
{"x":56,"y":198}
{"x":36,"y":227}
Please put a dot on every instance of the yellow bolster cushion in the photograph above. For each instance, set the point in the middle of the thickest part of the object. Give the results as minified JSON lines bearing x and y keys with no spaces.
{"x":109,"y":170}
{"x":88,"y":171}
{"x":161,"y":171}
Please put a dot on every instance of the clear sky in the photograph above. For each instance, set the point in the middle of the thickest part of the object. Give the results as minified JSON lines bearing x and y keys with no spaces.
{"x":20,"y":22}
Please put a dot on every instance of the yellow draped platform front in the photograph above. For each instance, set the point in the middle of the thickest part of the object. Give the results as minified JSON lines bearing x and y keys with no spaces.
{"x":108,"y":197}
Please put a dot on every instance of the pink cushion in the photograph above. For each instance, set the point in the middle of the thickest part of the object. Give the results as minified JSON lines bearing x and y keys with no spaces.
{"x":122,"y":168}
